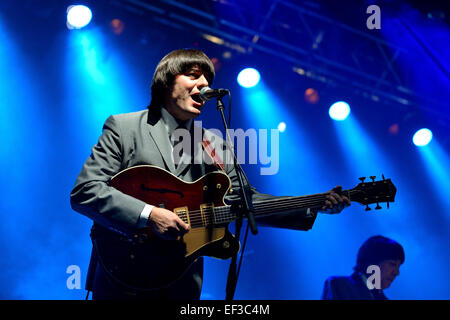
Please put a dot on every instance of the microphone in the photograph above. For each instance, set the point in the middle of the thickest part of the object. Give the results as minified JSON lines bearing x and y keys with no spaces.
{"x":206,"y":93}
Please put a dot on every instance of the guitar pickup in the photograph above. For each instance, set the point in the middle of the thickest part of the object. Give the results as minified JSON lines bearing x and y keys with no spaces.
{"x":183,"y":213}
{"x":207,"y":210}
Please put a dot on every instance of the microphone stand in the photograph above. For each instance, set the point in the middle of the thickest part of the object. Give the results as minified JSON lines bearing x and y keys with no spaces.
{"x":246,"y":205}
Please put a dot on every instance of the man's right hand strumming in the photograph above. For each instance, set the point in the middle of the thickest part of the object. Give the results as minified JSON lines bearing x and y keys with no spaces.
{"x":166,"y":224}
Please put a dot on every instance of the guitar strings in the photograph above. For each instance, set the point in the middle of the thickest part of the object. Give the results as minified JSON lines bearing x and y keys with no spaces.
{"x":222,"y":214}
{"x":218,"y":218}
{"x":223,"y":217}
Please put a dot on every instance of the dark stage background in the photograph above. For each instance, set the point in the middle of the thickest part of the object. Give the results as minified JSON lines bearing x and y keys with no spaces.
{"x":58,"y":86}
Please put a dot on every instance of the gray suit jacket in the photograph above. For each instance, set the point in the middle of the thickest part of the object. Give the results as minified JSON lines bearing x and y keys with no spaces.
{"x":140,"y":138}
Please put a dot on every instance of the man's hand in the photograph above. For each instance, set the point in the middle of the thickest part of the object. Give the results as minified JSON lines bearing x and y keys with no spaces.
{"x":166,"y":224}
{"x":335,"y":202}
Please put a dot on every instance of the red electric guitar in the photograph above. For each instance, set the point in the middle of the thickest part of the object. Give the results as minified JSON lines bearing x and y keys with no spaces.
{"x":144,"y":261}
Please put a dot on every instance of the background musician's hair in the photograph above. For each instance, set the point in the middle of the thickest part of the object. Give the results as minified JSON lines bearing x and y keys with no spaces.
{"x":377,"y":249}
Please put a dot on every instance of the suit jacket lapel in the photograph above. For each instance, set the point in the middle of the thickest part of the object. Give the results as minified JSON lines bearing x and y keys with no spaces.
{"x":187,"y":158}
{"x":161,"y":138}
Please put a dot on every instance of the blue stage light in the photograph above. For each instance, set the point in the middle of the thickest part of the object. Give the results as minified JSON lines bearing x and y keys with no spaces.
{"x":248,"y":77}
{"x":422,"y":137}
{"x":339,"y":111}
{"x":78,"y":16}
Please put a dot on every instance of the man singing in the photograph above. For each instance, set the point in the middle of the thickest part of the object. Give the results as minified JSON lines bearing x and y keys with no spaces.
{"x":145,"y":138}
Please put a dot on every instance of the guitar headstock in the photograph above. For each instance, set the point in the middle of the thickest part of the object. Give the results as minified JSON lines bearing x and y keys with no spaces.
{"x":377,"y":192}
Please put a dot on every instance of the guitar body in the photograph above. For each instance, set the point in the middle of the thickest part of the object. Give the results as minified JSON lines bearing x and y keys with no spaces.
{"x":145,"y":261}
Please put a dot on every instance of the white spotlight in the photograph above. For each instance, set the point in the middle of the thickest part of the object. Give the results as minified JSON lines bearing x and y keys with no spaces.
{"x":282,"y":126}
{"x":248,"y":77}
{"x":422,"y":137}
{"x":339,"y":111}
{"x":78,"y":16}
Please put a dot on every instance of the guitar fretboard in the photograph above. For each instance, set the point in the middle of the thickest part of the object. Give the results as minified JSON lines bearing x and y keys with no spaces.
{"x":222,"y":215}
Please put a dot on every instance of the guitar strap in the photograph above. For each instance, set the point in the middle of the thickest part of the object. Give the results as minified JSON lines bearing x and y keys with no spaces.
{"x":217,"y":160}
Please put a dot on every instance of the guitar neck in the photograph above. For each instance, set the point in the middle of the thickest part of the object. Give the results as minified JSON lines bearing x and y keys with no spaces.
{"x":279,"y":205}
{"x":148,"y":183}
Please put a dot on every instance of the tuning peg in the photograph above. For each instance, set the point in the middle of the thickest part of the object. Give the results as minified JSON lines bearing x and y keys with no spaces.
{"x":378,"y":207}
{"x":368,"y":208}
{"x":362,"y":179}
{"x":373,"y":178}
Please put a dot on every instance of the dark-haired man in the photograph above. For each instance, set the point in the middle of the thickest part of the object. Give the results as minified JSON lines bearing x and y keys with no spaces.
{"x":145,"y":137}
{"x":378,"y":257}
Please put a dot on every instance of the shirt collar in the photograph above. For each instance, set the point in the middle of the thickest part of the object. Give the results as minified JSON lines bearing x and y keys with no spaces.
{"x":171,"y":123}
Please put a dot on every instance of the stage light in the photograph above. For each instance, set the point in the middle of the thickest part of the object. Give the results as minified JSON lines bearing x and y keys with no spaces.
{"x":117,"y":26}
{"x":422,"y":137}
{"x":339,"y":111}
{"x":394,"y":128}
{"x":248,"y":77}
{"x":226,"y":55}
{"x":78,"y":16}
{"x":282,"y":126}
{"x":216,"y":63}
{"x":311,"y":95}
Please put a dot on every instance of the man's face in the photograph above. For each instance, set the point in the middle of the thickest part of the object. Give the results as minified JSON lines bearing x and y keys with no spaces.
{"x":182,"y":100}
{"x":390,"y":269}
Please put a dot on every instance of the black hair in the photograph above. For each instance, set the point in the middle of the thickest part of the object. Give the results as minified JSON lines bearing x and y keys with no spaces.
{"x":377,"y":249}
{"x":174,"y":63}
